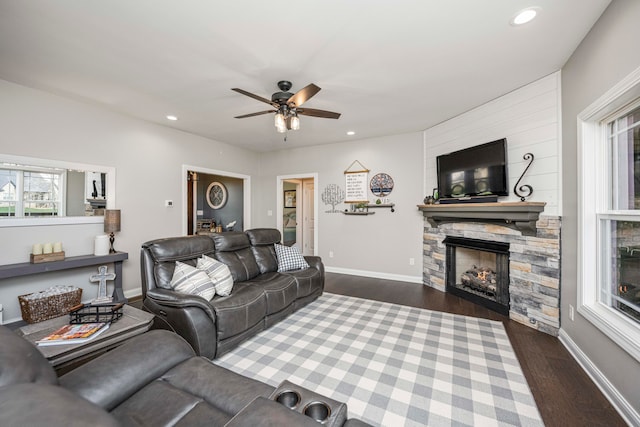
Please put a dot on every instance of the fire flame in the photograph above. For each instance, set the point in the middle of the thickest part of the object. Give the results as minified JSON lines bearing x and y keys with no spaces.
{"x":482,"y":275}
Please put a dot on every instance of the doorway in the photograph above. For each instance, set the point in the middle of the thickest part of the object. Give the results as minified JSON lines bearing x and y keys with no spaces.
{"x":214,"y":195}
{"x":297,"y":211}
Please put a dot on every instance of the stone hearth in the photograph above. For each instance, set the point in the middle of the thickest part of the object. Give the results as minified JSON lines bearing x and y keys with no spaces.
{"x":534,"y":265}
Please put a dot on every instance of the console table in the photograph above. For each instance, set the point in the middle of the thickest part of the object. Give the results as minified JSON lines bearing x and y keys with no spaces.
{"x":27,"y":268}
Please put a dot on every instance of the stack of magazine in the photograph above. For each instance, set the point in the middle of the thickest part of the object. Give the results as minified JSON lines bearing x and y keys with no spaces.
{"x":74,"y":334}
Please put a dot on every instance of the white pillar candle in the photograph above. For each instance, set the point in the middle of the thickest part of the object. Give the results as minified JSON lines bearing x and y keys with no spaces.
{"x":47,"y":248}
{"x":37,"y":249}
{"x":57,"y":247}
{"x":101,"y":245}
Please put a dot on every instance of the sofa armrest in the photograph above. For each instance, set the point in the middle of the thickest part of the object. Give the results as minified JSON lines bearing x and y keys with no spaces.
{"x":315,"y":262}
{"x":115,"y":376}
{"x":31,"y":404}
{"x":171,"y":298}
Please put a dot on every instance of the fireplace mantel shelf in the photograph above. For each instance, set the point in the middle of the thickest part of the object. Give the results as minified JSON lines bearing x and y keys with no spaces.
{"x":520,"y":216}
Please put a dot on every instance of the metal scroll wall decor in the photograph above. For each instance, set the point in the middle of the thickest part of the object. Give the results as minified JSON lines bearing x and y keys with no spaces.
{"x":526,"y":189}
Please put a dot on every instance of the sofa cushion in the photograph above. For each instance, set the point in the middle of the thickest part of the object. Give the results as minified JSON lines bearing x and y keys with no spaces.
{"x":289,"y":258}
{"x":234,"y":250}
{"x":21,"y":362}
{"x":263,"y":236}
{"x":165,"y":252}
{"x":280,"y":290}
{"x":219,"y":274}
{"x":243,"y":309}
{"x":262,"y":240}
{"x":309,"y":281}
{"x":191,"y":280}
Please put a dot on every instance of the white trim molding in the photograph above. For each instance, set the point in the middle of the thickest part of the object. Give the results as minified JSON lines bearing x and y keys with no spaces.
{"x":626,"y":411}
{"x":374,"y":274}
{"x":592,"y":203}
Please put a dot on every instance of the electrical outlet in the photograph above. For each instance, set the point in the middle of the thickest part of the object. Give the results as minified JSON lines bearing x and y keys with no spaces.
{"x":168,"y":203}
{"x":330,"y":254}
{"x":571,"y":312}
{"x":412,"y":261}
{"x":269,"y":212}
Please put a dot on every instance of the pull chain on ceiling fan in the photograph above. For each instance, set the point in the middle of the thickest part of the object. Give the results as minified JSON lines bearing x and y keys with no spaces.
{"x":287,"y":106}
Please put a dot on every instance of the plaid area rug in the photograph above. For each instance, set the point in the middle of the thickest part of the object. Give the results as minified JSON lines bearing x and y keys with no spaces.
{"x":394,"y":365}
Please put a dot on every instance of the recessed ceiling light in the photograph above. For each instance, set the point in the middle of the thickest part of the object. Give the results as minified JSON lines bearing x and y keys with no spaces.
{"x":524,"y":16}
{"x":351,"y":133}
{"x":172,"y":118}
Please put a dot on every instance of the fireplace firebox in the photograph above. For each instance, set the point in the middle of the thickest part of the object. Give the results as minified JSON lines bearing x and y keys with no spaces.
{"x":478,"y":270}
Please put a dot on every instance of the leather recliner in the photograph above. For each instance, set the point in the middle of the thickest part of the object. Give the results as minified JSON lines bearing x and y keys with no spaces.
{"x":261,"y":295}
{"x":154,"y":379}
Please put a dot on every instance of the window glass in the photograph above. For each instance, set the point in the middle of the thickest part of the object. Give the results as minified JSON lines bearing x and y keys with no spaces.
{"x":8,"y":199}
{"x":623,"y":292}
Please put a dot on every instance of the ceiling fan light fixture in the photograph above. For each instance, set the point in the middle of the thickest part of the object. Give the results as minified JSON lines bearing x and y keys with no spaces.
{"x":295,"y":122}
{"x":280,"y":121}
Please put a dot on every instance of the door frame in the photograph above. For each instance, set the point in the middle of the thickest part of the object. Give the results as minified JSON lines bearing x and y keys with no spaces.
{"x":280,"y":202}
{"x":246,"y":193}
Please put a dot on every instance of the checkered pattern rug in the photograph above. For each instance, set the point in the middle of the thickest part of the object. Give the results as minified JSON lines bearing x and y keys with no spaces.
{"x":394,"y":365}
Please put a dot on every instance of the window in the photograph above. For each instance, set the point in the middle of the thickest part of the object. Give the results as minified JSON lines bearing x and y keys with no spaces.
{"x":31,"y":193}
{"x":609,"y":235}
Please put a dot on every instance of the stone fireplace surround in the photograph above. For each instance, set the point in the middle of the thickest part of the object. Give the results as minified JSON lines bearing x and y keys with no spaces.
{"x":534,"y":261}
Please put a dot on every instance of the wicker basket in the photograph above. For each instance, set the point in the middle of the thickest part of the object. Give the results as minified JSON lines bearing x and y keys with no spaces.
{"x":37,"y":310}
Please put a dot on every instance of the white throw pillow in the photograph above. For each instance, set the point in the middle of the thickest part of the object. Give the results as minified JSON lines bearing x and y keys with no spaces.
{"x":189,"y":280}
{"x":219,"y":274}
{"x":289,"y":258}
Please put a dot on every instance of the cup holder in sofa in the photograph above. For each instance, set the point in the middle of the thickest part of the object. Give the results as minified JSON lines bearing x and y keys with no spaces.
{"x":318,"y":411}
{"x":289,"y":398}
{"x":317,"y":407}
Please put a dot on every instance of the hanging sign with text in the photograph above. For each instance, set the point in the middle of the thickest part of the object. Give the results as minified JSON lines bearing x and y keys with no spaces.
{"x":356,"y":185}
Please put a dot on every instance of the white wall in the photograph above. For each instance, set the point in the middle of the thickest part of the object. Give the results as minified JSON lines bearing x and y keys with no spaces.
{"x":148,"y":159}
{"x":606,"y":56}
{"x":378,"y":245}
{"x":530,"y":120}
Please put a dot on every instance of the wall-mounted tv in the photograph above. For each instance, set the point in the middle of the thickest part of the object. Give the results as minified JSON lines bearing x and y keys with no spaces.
{"x":474,"y":171}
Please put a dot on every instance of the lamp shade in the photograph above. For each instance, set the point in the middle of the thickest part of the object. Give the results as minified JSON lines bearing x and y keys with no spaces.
{"x":111,"y":220}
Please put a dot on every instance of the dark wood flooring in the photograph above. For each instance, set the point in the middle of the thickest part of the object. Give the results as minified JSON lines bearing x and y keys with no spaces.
{"x":565,"y":395}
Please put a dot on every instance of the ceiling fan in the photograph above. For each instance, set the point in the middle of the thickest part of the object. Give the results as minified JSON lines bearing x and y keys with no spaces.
{"x":287,"y":106}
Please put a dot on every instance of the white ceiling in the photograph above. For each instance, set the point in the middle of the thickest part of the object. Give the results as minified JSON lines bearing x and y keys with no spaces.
{"x":389,"y":67}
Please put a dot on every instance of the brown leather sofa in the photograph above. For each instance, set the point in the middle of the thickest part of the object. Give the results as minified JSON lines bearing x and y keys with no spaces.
{"x":261,"y":295}
{"x":154,"y":379}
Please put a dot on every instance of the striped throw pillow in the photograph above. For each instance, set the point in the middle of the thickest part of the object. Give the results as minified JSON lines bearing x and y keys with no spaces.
{"x":219,"y":274}
{"x":189,"y":280}
{"x":289,"y":258}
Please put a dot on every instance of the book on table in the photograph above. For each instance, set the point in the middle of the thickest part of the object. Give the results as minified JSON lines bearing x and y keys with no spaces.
{"x":74,"y":334}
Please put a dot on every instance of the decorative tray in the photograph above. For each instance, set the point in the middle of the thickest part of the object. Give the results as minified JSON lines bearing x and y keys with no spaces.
{"x":87,"y":313}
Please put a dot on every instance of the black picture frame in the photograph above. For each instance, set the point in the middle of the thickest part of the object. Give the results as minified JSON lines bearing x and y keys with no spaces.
{"x":290,"y":198}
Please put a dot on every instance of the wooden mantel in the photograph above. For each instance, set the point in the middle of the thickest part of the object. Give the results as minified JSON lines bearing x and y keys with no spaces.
{"x":520,"y":216}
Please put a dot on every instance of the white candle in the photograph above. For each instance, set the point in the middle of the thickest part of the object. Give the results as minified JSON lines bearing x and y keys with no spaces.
{"x":37,"y":249}
{"x":101,"y":245}
{"x":47,"y":248}
{"x":57,"y":247}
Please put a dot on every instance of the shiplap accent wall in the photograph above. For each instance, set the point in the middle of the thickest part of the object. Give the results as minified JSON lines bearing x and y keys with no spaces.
{"x":529,"y":118}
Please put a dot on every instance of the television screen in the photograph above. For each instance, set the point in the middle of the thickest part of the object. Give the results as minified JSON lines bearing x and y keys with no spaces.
{"x":475,"y":171}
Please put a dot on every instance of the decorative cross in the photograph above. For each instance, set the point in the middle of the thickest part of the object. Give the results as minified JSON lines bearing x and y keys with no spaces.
{"x":102,"y":277}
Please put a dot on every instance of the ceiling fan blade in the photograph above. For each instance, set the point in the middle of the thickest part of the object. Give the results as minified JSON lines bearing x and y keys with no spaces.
{"x":318,"y":113}
{"x":303,"y":95}
{"x":251,"y":95}
{"x":259,"y":113}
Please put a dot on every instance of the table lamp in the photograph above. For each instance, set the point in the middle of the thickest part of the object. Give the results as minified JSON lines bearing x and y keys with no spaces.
{"x":111,"y":225}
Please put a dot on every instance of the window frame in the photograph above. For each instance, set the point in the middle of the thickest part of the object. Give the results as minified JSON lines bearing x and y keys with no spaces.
{"x":60,"y":220}
{"x":593,"y":205}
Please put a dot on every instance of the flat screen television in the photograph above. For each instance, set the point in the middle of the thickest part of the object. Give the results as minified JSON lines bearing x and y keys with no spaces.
{"x":474,"y":171}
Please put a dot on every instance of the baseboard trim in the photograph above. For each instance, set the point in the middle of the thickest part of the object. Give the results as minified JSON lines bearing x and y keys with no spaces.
{"x":375,"y":274}
{"x":626,"y":411}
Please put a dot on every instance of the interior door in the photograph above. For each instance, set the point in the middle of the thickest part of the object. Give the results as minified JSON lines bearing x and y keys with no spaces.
{"x":308,"y":214}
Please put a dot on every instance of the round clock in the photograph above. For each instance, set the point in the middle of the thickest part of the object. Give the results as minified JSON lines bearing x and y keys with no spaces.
{"x":216,"y":195}
{"x":381,"y":185}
